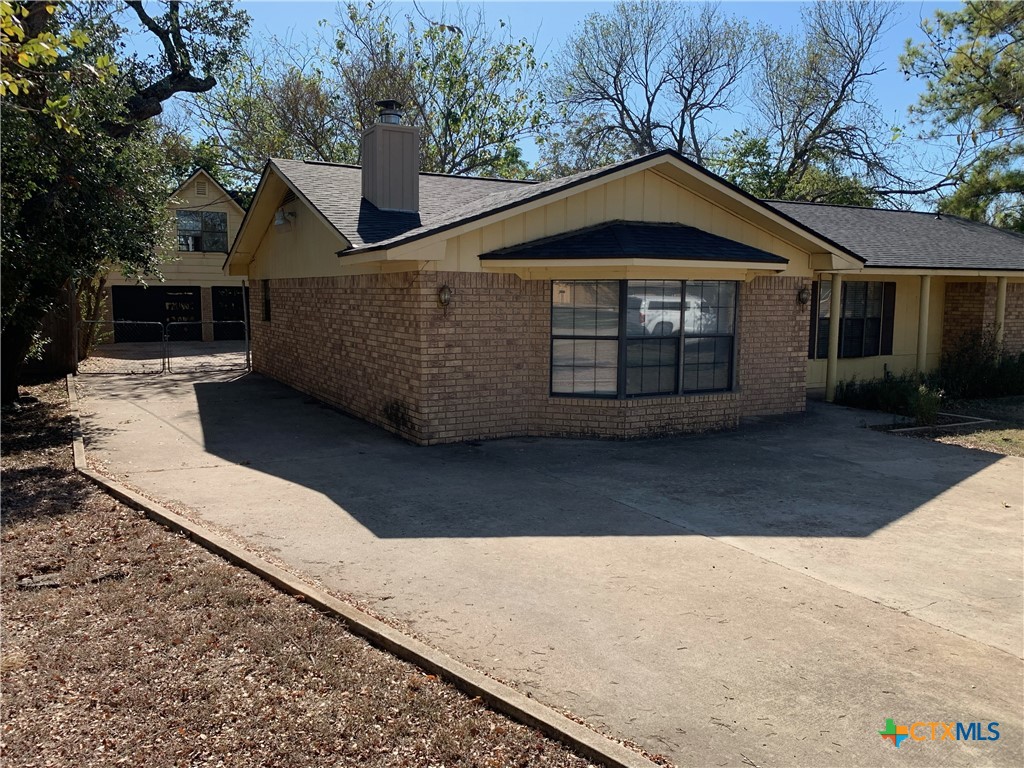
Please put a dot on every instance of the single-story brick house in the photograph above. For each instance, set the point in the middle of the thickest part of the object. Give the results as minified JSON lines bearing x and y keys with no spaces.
{"x":205,"y":218}
{"x":645,"y":298}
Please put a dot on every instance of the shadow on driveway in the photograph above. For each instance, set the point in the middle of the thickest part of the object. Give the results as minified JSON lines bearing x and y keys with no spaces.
{"x":817,"y":475}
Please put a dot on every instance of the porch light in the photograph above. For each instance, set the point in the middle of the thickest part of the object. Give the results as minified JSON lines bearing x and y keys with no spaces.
{"x":803,"y":295}
{"x":444,"y":295}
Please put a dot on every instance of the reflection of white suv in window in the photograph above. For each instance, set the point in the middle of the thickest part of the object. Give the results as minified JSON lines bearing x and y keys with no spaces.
{"x":660,"y":317}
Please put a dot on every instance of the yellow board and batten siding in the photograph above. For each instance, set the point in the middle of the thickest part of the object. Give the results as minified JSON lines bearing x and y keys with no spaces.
{"x":904,"y":338}
{"x":306,"y":246}
{"x":194,"y":268}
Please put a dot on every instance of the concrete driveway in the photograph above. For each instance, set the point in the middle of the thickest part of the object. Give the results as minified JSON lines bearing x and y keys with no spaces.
{"x":766,"y":597}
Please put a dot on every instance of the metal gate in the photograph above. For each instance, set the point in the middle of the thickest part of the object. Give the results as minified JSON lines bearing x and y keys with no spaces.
{"x":150,"y":347}
{"x":229,"y":353}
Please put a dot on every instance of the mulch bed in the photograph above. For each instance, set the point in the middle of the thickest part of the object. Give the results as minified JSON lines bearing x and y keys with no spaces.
{"x":124,"y":644}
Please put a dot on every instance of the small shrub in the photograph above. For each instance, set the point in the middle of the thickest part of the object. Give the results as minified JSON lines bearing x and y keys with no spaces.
{"x":977,"y":367}
{"x":908,"y":394}
{"x":926,"y":404}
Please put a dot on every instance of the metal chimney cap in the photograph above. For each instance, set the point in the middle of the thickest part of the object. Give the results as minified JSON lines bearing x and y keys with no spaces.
{"x":390,"y":111}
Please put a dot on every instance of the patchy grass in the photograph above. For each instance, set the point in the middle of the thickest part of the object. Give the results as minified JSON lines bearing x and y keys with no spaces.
{"x":1009,"y":442}
{"x":1004,"y":434}
{"x":125,"y":644}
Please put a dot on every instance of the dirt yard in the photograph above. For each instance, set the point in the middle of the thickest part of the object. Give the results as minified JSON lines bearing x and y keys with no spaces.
{"x":124,"y":644}
{"x":1004,"y":434}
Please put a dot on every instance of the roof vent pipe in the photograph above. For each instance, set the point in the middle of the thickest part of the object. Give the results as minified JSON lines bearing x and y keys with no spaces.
{"x":390,"y":112}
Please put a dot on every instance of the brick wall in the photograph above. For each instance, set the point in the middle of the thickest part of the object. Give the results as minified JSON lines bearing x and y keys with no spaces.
{"x":773,"y":333}
{"x":353,"y":342}
{"x":383,"y":349}
{"x":970,"y":308}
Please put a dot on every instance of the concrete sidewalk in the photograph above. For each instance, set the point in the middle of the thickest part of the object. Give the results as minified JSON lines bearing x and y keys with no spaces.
{"x":770,"y":595}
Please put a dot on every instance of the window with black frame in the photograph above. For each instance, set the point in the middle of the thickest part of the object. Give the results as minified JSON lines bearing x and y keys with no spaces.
{"x":635,"y":338}
{"x":866,"y":318}
{"x":203,"y":231}
{"x":585,"y":337}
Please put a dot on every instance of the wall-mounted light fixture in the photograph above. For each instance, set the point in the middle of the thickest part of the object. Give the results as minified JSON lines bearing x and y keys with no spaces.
{"x":282,"y":217}
{"x":444,"y":295}
{"x":804,"y":295}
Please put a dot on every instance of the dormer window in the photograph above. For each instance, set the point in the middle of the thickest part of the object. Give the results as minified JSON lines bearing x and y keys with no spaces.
{"x":203,"y":231}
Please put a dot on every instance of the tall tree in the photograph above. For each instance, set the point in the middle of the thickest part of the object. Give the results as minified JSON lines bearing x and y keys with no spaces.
{"x":814,"y":109}
{"x":650,"y":75}
{"x":470,"y":90}
{"x":83,"y":174}
{"x":972,"y":65}
{"x":653,"y":75}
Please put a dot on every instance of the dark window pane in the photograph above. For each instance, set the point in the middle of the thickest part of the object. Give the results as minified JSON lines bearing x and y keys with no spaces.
{"x":855,"y":298}
{"x":852,"y":343}
{"x":190,"y":220}
{"x":823,"y":324}
{"x":872,"y":336}
{"x":562,"y":352}
{"x":215,"y":242}
{"x":215,"y":221}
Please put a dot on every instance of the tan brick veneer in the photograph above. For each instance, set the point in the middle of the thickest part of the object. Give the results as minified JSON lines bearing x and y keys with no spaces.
{"x":970,"y":308}
{"x":382,"y":348}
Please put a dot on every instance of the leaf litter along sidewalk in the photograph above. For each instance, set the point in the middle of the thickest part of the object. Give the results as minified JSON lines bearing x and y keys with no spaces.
{"x":125,"y":644}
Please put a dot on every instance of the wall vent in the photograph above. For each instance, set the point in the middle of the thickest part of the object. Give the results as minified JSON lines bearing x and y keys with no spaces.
{"x":200,"y":188}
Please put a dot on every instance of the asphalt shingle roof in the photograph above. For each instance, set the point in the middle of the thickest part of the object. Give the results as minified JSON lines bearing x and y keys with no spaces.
{"x":635,"y":239}
{"x":882,"y":238}
{"x":337,"y":192}
{"x":910,"y":239}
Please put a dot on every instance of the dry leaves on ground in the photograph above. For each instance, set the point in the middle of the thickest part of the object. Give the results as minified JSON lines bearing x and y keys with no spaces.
{"x":124,"y":644}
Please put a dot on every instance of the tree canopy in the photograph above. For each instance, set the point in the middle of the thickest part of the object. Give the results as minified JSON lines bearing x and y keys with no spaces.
{"x":469,"y":88}
{"x":97,"y":193}
{"x":972,"y":65}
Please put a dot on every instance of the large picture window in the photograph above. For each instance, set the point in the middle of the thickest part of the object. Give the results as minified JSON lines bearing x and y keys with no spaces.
{"x":866,"y":322}
{"x":203,"y":231}
{"x":632,"y":338}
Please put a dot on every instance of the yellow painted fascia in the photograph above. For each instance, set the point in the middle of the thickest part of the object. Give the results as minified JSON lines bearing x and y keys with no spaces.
{"x":782,"y":228}
{"x":717,"y":193}
{"x":211,"y":180}
{"x":639,"y":269}
{"x":1014,"y":275}
{"x":260,"y":216}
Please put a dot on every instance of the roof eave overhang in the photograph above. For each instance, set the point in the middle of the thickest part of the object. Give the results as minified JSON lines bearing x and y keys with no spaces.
{"x":495,"y":263}
{"x":937,"y":271}
{"x":237,"y":261}
{"x":811,"y":241}
{"x":217,"y":184}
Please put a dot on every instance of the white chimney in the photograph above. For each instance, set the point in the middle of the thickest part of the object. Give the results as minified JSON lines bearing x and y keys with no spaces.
{"x":391,"y":161}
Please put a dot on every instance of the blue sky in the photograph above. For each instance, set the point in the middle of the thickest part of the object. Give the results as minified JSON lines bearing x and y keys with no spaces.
{"x":549,"y":24}
{"x":552,"y":22}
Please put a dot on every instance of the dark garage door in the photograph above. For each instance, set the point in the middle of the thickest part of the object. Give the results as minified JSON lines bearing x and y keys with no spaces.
{"x":229,"y":303}
{"x":160,"y":304}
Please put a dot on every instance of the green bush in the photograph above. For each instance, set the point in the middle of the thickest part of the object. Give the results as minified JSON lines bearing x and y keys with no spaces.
{"x":977,"y":367}
{"x":926,"y":404}
{"x":908,"y":394}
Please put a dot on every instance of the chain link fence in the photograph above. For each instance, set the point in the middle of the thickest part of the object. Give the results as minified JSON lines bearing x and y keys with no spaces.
{"x":137,"y":347}
{"x":124,"y":346}
{"x":226,"y":346}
